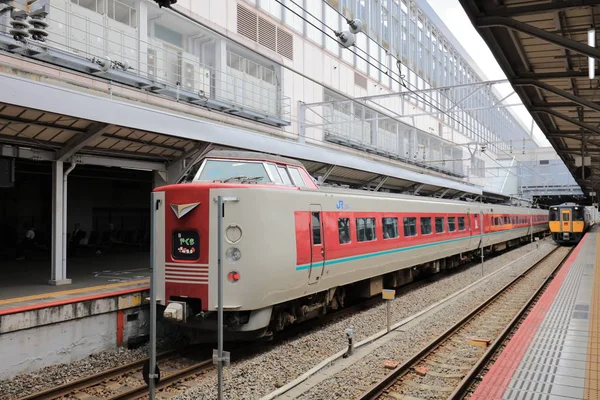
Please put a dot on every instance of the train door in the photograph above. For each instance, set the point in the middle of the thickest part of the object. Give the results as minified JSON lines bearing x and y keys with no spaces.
{"x":566,"y":220}
{"x":317,"y":244}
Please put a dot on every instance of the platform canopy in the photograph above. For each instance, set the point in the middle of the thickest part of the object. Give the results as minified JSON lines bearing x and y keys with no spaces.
{"x":542,"y":47}
{"x":93,"y":130}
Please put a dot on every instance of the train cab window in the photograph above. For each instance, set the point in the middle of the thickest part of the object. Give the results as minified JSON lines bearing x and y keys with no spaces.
{"x":344,"y":230}
{"x":296,"y":177}
{"x":554,"y":214}
{"x":284,"y":175}
{"x":461,"y":223}
{"x":234,"y":171}
{"x":439,"y":224}
{"x":272,"y":168}
{"x":425,"y":225}
{"x":451,"y":224}
{"x":578,"y":214}
{"x":410,"y":226}
{"x":365,"y":229}
{"x":316,"y":228}
{"x":390,"y":228}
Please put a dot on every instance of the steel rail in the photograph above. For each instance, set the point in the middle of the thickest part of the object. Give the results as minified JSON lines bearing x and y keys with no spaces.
{"x":70,"y":387}
{"x":380,"y":387}
{"x":166,"y":381}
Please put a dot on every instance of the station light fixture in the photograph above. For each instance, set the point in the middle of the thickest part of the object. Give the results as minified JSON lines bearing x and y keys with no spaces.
{"x":591,"y":60}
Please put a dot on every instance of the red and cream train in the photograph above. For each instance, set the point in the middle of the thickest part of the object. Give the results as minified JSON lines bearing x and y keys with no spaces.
{"x":293,"y":250}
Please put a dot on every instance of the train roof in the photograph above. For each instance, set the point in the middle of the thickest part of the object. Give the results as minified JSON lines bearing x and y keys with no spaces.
{"x":251,"y":155}
{"x":360,"y":192}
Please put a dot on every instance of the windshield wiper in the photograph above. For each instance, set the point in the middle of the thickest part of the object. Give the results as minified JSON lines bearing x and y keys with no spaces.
{"x":254,"y":178}
{"x":235,"y":178}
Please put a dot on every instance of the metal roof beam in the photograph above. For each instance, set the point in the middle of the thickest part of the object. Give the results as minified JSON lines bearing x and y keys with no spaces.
{"x":79,"y":141}
{"x":144,"y":142}
{"x":540,"y":8}
{"x":561,"y":41}
{"x":559,"y":92}
{"x":554,"y":75}
{"x":565,"y":118}
{"x":380,"y":184}
{"x":556,"y":104}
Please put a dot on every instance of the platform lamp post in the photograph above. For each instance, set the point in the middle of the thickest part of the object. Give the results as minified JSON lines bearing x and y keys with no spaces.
{"x":152,"y":378}
{"x":481,"y":231}
{"x":220,"y":358}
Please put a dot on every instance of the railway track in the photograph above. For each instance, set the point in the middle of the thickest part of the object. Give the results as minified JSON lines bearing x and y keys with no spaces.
{"x":448,"y":366}
{"x":125,"y":381}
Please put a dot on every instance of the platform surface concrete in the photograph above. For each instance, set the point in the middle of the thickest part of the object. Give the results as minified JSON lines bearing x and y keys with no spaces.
{"x":25,"y":283}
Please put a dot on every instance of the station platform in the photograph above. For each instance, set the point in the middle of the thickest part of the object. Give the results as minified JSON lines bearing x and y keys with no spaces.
{"x":24,"y":284}
{"x":105,"y":307}
{"x":554,"y":354}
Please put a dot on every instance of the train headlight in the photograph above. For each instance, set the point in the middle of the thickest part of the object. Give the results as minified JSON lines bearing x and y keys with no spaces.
{"x":233,"y":233}
{"x":233,"y":276}
{"x":233,"y":254}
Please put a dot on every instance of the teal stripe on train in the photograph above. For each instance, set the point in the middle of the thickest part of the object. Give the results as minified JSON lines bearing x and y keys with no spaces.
{"x":392,"y":251}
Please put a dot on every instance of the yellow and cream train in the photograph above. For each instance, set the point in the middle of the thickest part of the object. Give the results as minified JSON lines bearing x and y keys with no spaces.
{"x":569,"y":222}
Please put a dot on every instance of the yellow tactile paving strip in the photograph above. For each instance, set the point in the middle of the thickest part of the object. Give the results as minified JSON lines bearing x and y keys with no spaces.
{"x":62,"y":294}
{"x":592,"y":373}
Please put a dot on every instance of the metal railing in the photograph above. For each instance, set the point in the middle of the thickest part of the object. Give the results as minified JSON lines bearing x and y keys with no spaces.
{"x":113,"y":45}
{"x":361,"y":127}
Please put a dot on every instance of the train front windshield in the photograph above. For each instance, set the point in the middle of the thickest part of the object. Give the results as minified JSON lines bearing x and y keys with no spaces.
{"x":554,"y":214}
{"x":578,"y":214}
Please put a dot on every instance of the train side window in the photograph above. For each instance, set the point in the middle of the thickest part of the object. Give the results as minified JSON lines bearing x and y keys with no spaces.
{"x":461,"y":223}
{"x":344,"y":230}
{"x":425,"y":225}
{"x":296,"y":177}
{"x":496,"y":221}
{"x":365,"y":229}
{"x":316,"y":228}
{"x":272,"y":168}
{"x":410,"y":226}
{"x":390,"y":228}
{"x":476,"y":220}
{"x":451,"y":224}
{"x":439,"y":224}
{"x":285,"y":176}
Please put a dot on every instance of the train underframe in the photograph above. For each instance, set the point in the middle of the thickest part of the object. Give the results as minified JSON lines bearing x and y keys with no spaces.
{"x":202,"y":326}
{"x":567,"y":238}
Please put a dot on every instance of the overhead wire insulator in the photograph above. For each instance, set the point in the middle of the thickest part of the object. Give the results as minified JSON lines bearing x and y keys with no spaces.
{"x":36,"y":19}
{"x":345,"y":39}
{"x":19,"y":25}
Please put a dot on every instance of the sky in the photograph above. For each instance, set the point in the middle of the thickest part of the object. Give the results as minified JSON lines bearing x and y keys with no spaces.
{"x":453,"y":15}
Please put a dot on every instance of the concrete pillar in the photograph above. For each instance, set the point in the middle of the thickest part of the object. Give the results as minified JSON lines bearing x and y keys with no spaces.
{"x":57,"y":273}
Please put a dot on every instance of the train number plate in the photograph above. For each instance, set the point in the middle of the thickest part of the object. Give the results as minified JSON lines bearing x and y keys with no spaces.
{"x":186,"y":245}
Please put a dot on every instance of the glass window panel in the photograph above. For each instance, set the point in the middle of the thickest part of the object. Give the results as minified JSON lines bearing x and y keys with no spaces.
{"x":344,"y":230}
{"x":390,"y":228}
{"x":410,"y":226}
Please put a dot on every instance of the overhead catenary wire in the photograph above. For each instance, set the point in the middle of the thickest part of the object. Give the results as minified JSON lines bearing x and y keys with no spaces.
{"x":401,"y":82}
